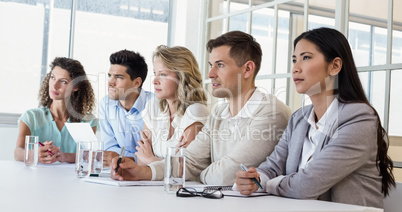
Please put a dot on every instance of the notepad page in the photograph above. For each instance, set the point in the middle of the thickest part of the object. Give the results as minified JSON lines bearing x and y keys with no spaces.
{"x":109,"y":181}
{"x":237,"y":194}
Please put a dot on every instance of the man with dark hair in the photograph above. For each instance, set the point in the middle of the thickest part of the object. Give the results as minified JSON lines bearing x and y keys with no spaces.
{"x":244,"y":129}
{"x":120,"y":112}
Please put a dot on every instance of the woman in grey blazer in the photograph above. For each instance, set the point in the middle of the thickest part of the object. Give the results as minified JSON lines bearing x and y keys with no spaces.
{"x":334,"y":149}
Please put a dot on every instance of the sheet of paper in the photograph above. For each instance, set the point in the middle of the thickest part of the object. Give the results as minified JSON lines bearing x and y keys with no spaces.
{"x":57,"y":164}
{"x":237,"y":194}
{"x":110,"y":181}
{"x":81,"y":132}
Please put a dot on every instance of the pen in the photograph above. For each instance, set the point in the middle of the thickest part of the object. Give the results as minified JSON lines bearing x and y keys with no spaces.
{"x":255,"y":180}
{"x":120,"y":157}
{"x":46,"y":150}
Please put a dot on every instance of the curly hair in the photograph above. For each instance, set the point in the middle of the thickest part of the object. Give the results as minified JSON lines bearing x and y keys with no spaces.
{"x":183,"y":63}
{"x":82,"y":101}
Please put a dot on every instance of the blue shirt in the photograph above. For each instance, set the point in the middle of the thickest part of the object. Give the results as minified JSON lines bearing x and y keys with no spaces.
{"x":41,"y":123}
{"x":120,"y":127}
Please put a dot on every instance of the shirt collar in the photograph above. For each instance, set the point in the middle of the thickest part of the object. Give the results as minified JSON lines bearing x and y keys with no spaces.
{"x":138,"y":106}
{"x":176,"y":121}
{"x":248,"y":109}
{"x":327,"y":115}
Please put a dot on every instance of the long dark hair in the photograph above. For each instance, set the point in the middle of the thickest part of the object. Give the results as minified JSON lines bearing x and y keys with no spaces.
{"x":332,"y":44}
{"x":82,"y":101}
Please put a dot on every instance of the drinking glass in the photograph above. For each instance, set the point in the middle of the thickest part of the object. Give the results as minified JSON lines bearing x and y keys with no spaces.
{"x":175,"y":166}
{"x":83,"y":159}
{"x":31,"y":150}
{"x":97,"y":157}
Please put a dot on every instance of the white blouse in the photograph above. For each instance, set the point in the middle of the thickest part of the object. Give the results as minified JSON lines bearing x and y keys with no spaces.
{"x":159,"y":124}
{"x":315,"y":135}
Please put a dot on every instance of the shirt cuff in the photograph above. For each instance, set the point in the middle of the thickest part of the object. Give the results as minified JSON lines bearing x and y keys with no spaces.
{"x":114,"y":149}
{"x":234,"y":187}
{"x":263,"y":180}
{"x":272,"y":185}
{"x":153,"y":171}
{"x":129,"y":154}
{"x":157,"y":169}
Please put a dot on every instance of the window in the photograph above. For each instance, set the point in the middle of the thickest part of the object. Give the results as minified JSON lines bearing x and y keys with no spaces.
{"x":377,"y":48}
{"x":275,"y":31}
{"x":40,"y":31}
{"x":395,"y":104}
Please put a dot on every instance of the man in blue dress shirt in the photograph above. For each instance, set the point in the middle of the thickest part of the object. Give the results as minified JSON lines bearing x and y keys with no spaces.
{"x":120,"y":112}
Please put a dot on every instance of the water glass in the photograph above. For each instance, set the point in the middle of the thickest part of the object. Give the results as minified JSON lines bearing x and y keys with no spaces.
{"x":31,"y":150}
{"x":83,"y":159}
{"x":175,"y":166}
{"x":97,"y":157}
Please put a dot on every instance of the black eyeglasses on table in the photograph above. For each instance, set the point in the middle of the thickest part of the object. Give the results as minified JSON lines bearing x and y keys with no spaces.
{"x":191,"y":192}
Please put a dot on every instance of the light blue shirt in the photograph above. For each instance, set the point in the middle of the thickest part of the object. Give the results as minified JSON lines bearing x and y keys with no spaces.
{"x":120,"y":127}
{"x":40,"y":122}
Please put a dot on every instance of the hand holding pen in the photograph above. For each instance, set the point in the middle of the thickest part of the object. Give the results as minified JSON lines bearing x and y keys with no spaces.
{"x":246,"y":180}
{"x":48,"y":153}
{"x":120,"y":157}
{"x":253,"y":179}
{"x":132,"y":171}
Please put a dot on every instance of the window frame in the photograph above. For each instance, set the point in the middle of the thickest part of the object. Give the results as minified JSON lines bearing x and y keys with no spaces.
{"x":342,"y":17}
{"x":11,"y":119}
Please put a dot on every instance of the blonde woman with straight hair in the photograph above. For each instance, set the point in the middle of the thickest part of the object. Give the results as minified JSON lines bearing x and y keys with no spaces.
{"x":179,"y":112}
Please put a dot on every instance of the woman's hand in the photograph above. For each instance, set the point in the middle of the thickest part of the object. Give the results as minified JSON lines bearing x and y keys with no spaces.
{"x":43,"y":153}
{"x":183,"y":143}
{"x":146,"y":136}
{"x":145,"y":153}
{"x":189,"y":134}
{"x":244,"y":181}
{"x":61,"y":156}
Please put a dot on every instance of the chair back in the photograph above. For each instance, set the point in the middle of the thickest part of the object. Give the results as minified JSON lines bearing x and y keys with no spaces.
{"x":393,"y":202}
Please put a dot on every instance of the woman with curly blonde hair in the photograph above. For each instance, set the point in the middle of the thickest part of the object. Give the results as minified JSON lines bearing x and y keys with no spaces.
{"x":66,"y":95}
{"x":179,"y":112}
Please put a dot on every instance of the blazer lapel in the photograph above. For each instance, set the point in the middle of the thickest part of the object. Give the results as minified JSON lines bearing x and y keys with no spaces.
{"x":301,"y":128}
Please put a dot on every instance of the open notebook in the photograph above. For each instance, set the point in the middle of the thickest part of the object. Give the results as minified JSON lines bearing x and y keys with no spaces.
{"x":109,"y":181}
{"x":226,"y":190}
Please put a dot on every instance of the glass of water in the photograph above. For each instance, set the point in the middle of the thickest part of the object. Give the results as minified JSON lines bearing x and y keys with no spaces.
{"x":31,"y":150}
{"x":97,"y":157}
{"x":83,"y":159}
{"x":175,"y":167}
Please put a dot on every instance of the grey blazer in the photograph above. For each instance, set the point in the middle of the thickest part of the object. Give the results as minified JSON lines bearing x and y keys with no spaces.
{"x":344,"y":166}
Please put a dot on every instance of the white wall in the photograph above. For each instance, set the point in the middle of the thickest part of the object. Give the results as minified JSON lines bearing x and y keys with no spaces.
{"x":8,"y":137}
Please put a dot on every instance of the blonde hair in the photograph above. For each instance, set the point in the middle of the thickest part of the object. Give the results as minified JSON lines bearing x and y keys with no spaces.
{"x":182,"y":61}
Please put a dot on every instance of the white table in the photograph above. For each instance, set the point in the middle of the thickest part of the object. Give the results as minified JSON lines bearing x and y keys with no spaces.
{"x":56,"y":188}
